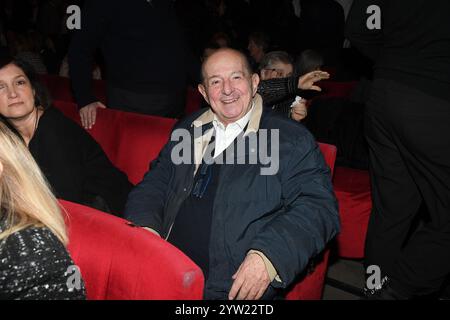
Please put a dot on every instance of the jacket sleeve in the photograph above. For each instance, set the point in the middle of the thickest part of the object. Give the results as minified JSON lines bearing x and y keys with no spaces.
{"x":276,"y":90}
{"x":368,"y":42}
{"x":94,"y":24}
{"x":310,"y":218}
{"x":145,"y":205}
{"x":102,"y":177}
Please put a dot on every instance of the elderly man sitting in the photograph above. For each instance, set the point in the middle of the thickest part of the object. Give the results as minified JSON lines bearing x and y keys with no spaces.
{"x":251,"y":221}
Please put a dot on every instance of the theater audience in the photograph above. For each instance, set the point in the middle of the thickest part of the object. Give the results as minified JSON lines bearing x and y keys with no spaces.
{"x":74,"y":164}
{"x":27,"y":47}
{"x":33,"y":259}
{"x":279,"y":65}
{"x":309,"y":60}
{"x":276,"y":64}
{"x":258,"y":45}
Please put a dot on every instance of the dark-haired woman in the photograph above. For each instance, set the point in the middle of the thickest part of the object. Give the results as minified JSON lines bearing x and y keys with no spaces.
{"x":74,"y":164}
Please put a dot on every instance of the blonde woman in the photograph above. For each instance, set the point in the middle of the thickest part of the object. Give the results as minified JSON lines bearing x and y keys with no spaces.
{"x":33,"y":257}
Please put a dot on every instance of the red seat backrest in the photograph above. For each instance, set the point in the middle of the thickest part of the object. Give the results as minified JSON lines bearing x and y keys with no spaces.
{"x":140,"y":140}
{"x":329,"y":153}
{"x":193,"y":100}
{"x":131,"y":141}
{"x":119,"y":261}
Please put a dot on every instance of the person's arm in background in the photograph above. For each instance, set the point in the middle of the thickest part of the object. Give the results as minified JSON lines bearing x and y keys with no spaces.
{"x":368,"y":42}
{"x":276,"y":90}
{"x":95,"y":18}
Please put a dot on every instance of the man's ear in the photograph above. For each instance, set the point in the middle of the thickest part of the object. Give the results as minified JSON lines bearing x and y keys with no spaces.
{"x":255,"y":83}
{"x":202,"y":90}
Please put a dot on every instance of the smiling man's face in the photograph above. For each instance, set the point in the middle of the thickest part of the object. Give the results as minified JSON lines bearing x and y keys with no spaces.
{"x":228,"y":85}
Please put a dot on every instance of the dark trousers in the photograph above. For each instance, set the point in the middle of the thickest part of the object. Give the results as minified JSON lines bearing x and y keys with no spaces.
{"x":408,"y":133}
{"x":169,"y":105}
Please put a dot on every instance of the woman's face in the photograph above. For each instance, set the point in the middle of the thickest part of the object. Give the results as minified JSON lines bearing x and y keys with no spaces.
{"x":16,"y":93}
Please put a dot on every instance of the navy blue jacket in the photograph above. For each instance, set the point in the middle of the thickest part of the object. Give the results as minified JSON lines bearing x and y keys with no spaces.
{"x":289,"y":216}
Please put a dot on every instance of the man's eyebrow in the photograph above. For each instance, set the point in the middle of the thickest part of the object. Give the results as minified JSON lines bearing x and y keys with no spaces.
{"x":232,"y":73}
{"x":214,"y":76}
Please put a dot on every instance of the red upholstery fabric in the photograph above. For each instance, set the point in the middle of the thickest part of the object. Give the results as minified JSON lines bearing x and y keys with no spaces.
{"x":131,"y":141}
{"x":352,"y":188}
{"x":60,"y":89}
{"x":140,"y":140}
{"x":193,"y":100}
{"x":310,"y":287}
{"x":329,"y":153}
{"x":121,"y":262}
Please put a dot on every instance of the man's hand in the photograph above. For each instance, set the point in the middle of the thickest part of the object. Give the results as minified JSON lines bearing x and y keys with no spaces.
{"x":251,"y":280}
{"x":299,"y":111}
{"x":306,"y":82}
{"x":88,"y":114}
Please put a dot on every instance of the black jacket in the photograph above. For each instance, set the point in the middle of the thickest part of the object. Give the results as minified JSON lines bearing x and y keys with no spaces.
{"x":289,"y":216}
{"x":413,"y":44}
{"x":76,"y":166}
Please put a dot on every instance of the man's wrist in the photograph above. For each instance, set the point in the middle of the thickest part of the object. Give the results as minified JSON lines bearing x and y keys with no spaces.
{"x":273,"y":274}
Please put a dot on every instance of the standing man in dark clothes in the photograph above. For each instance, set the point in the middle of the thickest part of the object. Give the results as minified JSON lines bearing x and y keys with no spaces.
{"x":145,"y":55}
{"x":408,"y":131}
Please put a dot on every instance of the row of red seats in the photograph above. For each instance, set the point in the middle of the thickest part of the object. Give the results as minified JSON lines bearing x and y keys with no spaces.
{"x":60,"y":89}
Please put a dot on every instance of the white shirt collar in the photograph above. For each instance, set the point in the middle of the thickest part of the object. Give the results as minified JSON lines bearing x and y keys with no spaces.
{"x":226,"y":135}
{"x":241,"y":123}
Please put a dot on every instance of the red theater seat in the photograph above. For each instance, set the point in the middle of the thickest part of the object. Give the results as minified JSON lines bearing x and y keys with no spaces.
{"x":311,"y":286}
{"x":60,"y":89}
{"x":131,"y":141}
{"x":193,"y":100}
{"x":121,"y":262}
{"x":352,"y":189}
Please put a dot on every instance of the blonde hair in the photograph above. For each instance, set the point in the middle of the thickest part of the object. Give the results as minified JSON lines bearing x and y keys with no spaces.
{"x":25,"y":197}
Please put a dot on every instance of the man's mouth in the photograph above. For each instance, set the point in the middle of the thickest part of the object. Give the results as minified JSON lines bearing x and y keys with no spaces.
{"x":230,"y":101}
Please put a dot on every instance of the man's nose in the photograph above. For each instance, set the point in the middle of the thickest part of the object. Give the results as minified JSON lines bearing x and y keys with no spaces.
{"x":227,"y":87}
